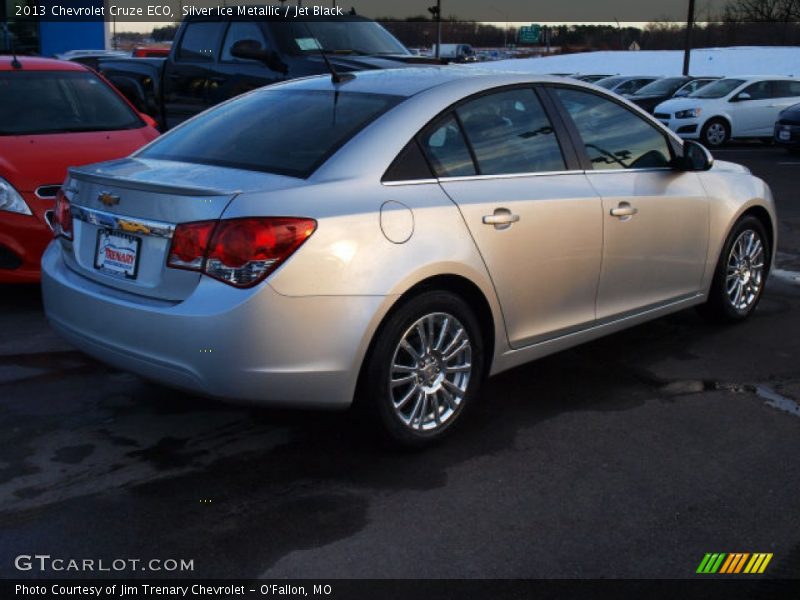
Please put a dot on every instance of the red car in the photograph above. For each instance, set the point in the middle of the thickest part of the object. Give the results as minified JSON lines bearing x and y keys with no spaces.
{"x":53,"y":115}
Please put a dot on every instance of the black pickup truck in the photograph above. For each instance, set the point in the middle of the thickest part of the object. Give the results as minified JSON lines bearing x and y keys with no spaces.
{"x":213,"y":59}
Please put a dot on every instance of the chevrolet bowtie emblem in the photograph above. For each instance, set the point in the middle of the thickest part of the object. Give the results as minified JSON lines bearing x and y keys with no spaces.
{"x":108,"y":199}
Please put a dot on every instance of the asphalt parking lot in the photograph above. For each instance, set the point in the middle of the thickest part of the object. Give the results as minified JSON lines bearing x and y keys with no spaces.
{"x":632,"y":456}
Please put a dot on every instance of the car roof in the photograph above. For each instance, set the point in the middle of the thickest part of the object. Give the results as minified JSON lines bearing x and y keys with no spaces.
{"x":413,"y":80}
{"x":35,"y":63}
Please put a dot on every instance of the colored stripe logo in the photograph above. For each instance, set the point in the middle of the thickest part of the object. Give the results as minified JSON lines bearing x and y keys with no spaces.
{"x":734,"y":563}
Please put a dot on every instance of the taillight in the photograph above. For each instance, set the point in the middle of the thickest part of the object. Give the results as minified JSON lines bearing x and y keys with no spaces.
{"x":239,"y":252}
{"x":62,"y":219}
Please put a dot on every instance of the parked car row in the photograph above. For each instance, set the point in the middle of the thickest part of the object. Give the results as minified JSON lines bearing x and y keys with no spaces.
{"x":715,"y":110}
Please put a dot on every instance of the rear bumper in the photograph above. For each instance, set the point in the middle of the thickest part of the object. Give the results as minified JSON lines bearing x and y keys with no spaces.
{"x":247,"y":345}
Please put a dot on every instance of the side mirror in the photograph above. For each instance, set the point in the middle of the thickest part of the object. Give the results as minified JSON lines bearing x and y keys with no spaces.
{"x":741,"y":96}
{"x":696,"y":157}
{"x":149,"y":120}
{"x":252,"y":50}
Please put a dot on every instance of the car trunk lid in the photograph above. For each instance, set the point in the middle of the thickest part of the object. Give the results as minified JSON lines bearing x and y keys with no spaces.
{"x":125,"y":213}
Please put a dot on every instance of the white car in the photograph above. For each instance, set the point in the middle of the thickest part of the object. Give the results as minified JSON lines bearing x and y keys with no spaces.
{"x":734,"y":107}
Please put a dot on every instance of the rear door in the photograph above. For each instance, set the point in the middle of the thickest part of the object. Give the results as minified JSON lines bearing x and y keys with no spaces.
{"x":188,"y":71}
{"x":533,"y":215}
{"x":655,"y":219}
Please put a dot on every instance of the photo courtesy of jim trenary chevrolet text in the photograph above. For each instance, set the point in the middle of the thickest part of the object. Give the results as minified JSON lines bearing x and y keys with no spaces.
{"x":378,"y":299}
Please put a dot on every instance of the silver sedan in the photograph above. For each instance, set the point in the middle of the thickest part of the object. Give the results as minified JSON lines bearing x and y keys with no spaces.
{"x":395,"y":238}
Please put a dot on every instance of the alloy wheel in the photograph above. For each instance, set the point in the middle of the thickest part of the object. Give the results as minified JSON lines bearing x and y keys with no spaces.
{"x":745,"y":270}
{"x":430,"y":372}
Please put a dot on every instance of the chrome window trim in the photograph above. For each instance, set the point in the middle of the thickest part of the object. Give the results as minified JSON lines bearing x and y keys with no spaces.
{"x":512,"y":175}
{"x":410,"y":182}
{"x":642,"y":170}
{"x":122,"y":223}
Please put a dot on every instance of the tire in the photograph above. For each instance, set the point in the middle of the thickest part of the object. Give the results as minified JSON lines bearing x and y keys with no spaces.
{"x":423,"y":409}
{"x":716,"y":132}
{"x":742,"y":269}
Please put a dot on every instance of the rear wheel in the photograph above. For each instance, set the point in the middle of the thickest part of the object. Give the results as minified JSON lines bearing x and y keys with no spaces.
{"x":715,"y":133}
{"x":741,"y":273}
{"x":424,"y":369}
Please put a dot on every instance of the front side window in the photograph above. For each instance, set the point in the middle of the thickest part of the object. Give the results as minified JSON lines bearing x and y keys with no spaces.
{"x":447,"y":150}
{"x":287,"y":132}
{"x":614,"y":137}
{"x":40,"y":102}
{"x":758,"y":91}
{"x":510,"y":133}
{"x":239,"y":31}
{"x":199,"y":41}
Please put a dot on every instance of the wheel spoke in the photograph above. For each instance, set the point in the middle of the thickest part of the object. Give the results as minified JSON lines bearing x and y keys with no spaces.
{"x":410,"y":349}
{"x":404,"y":380}
{"x":454,"y":341}
{"x":442,"y":334}
{"x":435,"y":408}
{"x":465,"y":368}
{"x":454,"y":353}
{"x":404,"y":400}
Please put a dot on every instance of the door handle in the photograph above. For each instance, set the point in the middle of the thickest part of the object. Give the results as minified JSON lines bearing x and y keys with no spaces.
{"x":624,"y":211}
{"x":501,"y":219}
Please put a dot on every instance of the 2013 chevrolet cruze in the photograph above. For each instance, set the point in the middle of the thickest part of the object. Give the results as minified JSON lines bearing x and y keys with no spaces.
{"x":395,"y":238}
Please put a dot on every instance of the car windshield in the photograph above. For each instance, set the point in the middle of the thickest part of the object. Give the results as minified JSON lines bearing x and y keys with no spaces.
{"x":287,"y":132}
{"x":718,"y":89}
{"x":42,"y":102}
{"x":661,"y":87}
{"x":339,"y":37}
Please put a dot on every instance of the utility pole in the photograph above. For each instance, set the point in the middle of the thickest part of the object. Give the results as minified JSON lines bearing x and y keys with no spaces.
{"x":436,"y":11}
{"x":687,"y":50}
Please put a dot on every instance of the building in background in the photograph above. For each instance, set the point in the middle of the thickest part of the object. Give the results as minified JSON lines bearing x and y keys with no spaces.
{"x":45,"y":37}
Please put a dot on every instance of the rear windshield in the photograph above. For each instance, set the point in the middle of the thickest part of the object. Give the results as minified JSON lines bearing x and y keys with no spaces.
{"x":40,"y":102}
{"x":288,"y":132}
{"x":718,"y":89}
{"x":669,"y":85}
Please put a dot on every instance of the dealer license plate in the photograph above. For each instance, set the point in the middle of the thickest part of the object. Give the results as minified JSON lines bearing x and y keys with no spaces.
{"x":117,"y":253}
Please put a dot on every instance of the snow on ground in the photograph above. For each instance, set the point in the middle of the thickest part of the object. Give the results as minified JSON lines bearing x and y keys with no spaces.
{"x":752,"y":60}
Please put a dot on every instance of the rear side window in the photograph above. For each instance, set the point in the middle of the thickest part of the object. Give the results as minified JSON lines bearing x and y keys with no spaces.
{"x":38,"y":102}
{"x":447,"y":150}
{"x":237,"y":32}
{"x":199,"y":42}
{"x":288,"y":132}
{"x":786,"y":89}
{"x":409,"y":165}
{"x":614,"y":137}
{"x":510,"y":133}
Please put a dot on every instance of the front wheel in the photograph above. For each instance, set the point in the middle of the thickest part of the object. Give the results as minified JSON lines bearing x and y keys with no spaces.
{"x":424,"y":369}
{"x":715,"y":133}
{"x":740,"y":274}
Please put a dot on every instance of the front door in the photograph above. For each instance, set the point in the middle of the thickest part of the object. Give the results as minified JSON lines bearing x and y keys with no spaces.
{"x":655,"y":218}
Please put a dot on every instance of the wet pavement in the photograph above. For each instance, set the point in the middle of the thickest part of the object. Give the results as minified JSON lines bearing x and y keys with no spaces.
{"x":631,"y":456}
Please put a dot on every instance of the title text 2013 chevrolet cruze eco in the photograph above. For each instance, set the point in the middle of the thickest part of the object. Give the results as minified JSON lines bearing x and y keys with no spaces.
{"x":395,"y":238}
